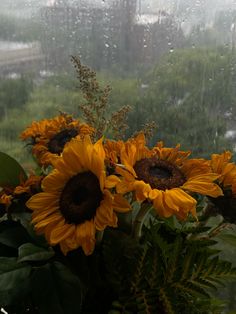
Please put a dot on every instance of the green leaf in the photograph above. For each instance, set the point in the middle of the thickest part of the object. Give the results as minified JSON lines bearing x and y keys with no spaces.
{"x":13,"y":280}
{"x":228,"y":238}
{"x":29,"y":252}
{"x":11,"y":172}
{"x":14,"y":236}
{"x":55,"y":289}
{"x":25,"y":220}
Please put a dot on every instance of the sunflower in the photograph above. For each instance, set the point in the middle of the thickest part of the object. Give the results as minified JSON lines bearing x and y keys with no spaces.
{"x":112,"y":154}
{"x":5,"y":199}
{"x":220,"y":164}
{"x":49,"y":137}
{"x":74,"y":203}
{"x":165,"y":177}
{"x":226,"y":204}
{"x":30,"y":186}
{"x":112,"y":150}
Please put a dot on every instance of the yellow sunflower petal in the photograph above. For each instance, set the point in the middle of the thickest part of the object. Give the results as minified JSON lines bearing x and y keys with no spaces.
{"x":39,"y":215}
{"x":111,"y":181}
{"x":142,"y":190}
{"x":218,"y":161}
{"x":125,"y":173}
{"x":120,"y":204}
{"x":203,"y":184}
{"x":180,"y":201}
{"x":97,"y":167}
{"x":195,"y":167}
{"x":86,"y":236}
{"x":69,"y":244}
{"x":54,"y":217}
{"x":104,"y":214}
{"x":59,"y":233}
{"x":55,"y":181}
{"x":128,"y":157}
{"x":71,"y":160}
{"x":124,"y":187}
{"x":43,"y":201}
{"x":162,"y":209}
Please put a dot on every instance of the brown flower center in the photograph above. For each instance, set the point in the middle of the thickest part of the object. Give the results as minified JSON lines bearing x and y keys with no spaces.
{"x":80,"y":198}
{"x":160,"y":174}
{"x":58,"y":141}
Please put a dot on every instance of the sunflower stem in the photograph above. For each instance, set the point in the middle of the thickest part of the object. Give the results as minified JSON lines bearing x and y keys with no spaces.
{"x":99,"y":236}
{"x":139,"y":220}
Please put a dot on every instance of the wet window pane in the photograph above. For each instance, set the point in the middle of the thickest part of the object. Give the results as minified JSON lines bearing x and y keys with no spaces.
{"x":172,"y":61}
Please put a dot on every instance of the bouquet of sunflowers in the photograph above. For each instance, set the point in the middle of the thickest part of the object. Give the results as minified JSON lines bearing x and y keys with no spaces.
{"x":105,"y":225}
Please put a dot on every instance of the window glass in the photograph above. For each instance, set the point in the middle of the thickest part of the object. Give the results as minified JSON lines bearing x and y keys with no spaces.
{"x":172,"y":61}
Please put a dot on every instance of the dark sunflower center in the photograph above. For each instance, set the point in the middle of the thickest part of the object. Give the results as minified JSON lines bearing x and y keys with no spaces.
{"x":80,"y":198}
{"x":57,"y":142}
{"x":160,"y":174}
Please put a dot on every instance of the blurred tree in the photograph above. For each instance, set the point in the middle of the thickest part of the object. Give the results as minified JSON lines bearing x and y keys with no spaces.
{"x":189,"y":94}
{"x":14,"y":93}
{"x":19,"y":29}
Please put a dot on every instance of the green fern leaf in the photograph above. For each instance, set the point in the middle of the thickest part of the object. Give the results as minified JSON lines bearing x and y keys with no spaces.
{"x":174,"y":259}
{"x":139,"y":274}
{"x":190,"y":288}
{"x":204,"y":283}
{"x":164,"y":298}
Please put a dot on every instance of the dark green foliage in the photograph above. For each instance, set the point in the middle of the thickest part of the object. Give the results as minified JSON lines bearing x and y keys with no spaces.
{"x":169,"y":272}
{"x":12,"y":174}
{"x":32,"y":278}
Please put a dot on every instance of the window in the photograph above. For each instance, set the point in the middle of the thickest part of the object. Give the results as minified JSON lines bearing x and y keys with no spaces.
{"x":172,"y":61}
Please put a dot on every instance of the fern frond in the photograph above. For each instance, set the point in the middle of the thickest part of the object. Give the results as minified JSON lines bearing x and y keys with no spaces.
{"x":200,"y":264}
{"x":146,"y":302}
{"x":190,"y":288}
{"x":174,"y":258}
{"x":196,"y":229}
{"x":152,"y":277}
{"x":200,"y":243}
{"x":211,"y":266}
{"x":204,"y":283}
{"x":168,"y":308}
{"x":139,"y":270}
{"x":188,"y":263}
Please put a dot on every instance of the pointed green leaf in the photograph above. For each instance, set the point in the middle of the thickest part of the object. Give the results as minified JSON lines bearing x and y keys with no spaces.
{"x":14,"y":236}
{"x":29,"y":252}
{"x":11,"y":172}
{"x":25,"y":220}
{"x":228,"y":238}
{"x":14,"y":279}
{"x":56,"y":290}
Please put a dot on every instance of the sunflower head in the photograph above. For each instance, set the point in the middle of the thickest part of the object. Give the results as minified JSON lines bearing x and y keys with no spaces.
{"x":165,"y":177}
{"x":225,"y":204}
{"x":5,"y":199}
{"x":220,"y":164}
{"x":49,"y":137}
{"x":112,"y":151}
{"x":74,"y":203}
{"x":31,"y":186}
